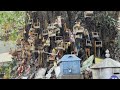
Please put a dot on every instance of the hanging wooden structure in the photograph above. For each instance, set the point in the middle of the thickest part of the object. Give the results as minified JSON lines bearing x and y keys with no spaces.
{"x":88,"y":14}
{"x":80,"y":30}
{"x":59,"y":21}
{"x":88,"y":43}
{"x":77,"y":28}
{"x":98,"y":43}
{"x":57,"y":30}
{"x":97,"y":46}
{"x":59,"y":44}
{"x":51,"y":31}
{"x":30,"y":21}
{"x":45,"y":32}
{"x":31,"y":31}
{"x":32,"y":47}
{"x":36,"y":25}
{"x":66,"y":44}
{"x":95,"y":34}
{"x":40,"y":36}
{"x":47,"y":43}
{"x":80,"y":36}
{"x":35,"y":35}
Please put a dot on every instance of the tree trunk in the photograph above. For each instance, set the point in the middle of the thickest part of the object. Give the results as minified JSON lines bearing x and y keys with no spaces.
{"x":47,"y":17}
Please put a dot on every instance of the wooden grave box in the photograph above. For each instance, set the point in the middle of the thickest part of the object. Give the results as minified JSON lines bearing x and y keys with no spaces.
{"x":98,"y":43}
{"x":30,"y":21}
{"x":88,"y":14}
{"x":36,"y":25}
{"x":88,"y":43}
{"x":95,"y":34}
{"x":45,"y":32}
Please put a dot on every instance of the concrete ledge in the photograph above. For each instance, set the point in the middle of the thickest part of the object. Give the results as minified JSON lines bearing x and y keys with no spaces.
{"x":71,"y":77}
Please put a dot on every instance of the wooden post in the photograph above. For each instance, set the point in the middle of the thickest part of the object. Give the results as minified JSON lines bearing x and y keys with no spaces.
{"x":98,"y":51}
{"x":65,"y":27}
{"x":40,"y":57}
{"x":94,"y":51}
{"x":46,"y":24}
{"x":95,"y":48}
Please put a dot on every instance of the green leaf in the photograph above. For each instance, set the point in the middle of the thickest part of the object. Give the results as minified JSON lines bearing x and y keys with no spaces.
{"x":11,"y":17}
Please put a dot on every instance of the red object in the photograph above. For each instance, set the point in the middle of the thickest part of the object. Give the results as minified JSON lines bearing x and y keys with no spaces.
{"x":28,"y":70}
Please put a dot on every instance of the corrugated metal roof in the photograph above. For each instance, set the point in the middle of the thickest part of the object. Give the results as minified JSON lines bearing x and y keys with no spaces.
{"x":107,"y":63}
{"x":70,"y":57}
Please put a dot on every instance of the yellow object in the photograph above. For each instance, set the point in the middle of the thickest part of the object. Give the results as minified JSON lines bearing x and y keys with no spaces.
{"x":5,"y":77}
{"x":47,"y":41}
{"x":54,"y":51}
{"x":6,"y":26}
{"x":69,"y":43}
{"x":66,"y":45}
{"x":43,"y":39}
{"x":98,"y":60}
{"x":40,"y":37}
{"x":55,"y":63}
{"x":46,"y":24}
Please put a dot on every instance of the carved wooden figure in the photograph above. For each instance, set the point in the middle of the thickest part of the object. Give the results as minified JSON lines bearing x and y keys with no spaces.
{"x":59,"y":21}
